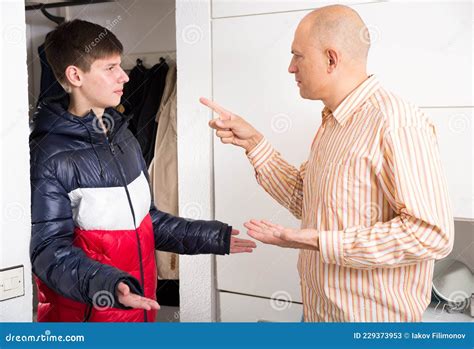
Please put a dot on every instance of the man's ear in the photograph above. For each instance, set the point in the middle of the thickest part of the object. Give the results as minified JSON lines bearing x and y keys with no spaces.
{"x":73,"y":76}
{"x":332,"y":60}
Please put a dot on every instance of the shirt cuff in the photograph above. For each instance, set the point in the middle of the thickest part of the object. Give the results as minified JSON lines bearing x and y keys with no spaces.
{"x":261,"y":153}
{"x":331,"y":247}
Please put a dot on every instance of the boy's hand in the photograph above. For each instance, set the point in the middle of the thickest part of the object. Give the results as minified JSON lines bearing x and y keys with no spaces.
{"x":133,"y":300}
{"x":240,"y":245}
{"x":231,"y":128}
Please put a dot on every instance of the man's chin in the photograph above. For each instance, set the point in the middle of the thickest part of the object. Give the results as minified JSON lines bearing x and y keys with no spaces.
{"x":306,"y":95}
{"x":303,"y":94}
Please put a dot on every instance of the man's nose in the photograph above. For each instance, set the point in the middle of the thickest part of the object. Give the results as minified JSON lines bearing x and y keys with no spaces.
{"x":292,"y":68}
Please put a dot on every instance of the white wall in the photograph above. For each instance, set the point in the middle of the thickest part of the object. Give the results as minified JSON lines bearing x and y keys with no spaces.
{"x":197,"y":284}
{"x":14,"y":158}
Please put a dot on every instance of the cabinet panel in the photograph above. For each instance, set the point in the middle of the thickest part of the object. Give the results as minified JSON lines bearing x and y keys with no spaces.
{"x":419,"y":50}
{"x":250,"y":78}
{"x":454,"y":129}
{"x":241,"y":308}
{"x":250,"y":60}
{"x":228,"y":8}
{"x":422,"y":51}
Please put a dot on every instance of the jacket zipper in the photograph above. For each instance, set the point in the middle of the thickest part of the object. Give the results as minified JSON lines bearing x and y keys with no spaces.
{"x":87,"y":313}
{"x":142,"y":274}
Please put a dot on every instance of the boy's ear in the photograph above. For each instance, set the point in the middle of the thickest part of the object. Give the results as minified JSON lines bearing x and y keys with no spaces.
{"x":73,"y":76}
{"x":66,"y":87}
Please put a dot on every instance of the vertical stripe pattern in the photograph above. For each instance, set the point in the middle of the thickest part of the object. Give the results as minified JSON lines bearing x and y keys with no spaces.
{"x":374,"y":189}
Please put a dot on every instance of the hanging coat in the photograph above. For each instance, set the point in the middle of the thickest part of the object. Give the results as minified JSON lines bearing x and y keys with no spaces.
{"x":144,"y":115}
{"x":164,"y":168}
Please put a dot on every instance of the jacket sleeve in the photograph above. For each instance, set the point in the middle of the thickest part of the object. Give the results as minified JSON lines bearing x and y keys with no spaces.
{"x":55,"y":260}
{"x":187,"y":236}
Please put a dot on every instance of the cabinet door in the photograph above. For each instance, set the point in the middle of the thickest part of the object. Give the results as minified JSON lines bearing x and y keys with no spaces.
{"x":250,"y":60}
{"x":250,"y":78}
{"x":241,"y":308}
{"x":227,"y":8}
{"x":422,"y":51}
{"x":454,"y":129}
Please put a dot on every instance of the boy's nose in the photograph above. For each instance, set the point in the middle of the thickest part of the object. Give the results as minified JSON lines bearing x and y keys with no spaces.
{"x":124,"y":77}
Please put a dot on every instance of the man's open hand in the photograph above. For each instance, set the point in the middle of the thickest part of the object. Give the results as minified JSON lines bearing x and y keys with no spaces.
{"x":274,"y":234}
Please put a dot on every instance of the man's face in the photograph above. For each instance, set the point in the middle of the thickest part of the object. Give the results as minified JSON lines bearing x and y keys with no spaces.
{"x":103,"y":84}
{"x":308,"y":64}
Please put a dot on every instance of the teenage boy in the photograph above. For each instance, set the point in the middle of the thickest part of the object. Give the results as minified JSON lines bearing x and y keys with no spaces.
{"x":94,"y":224}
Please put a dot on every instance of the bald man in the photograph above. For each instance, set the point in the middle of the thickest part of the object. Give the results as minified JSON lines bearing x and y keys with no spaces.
{"x":372,"y":197}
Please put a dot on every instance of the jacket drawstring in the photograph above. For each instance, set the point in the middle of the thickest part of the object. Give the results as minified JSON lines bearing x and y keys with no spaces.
{"x":100,"y":162}
{"x":120,"y":148}
{"x":125,"y":121}
{"x":93,"y":148}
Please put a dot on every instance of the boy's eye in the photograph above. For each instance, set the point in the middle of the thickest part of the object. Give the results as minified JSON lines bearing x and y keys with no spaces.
{"x":111,"y":68}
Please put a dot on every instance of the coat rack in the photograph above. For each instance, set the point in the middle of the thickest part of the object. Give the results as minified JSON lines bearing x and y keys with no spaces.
{"x":129,"y":60}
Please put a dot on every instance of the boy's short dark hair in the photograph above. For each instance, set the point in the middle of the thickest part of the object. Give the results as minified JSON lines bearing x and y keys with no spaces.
{"x":79,"y":43}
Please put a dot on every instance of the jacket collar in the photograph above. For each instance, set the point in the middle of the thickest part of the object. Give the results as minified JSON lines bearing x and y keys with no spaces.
{"x":52,"y":117}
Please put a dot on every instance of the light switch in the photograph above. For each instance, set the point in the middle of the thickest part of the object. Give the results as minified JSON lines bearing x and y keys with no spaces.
{"x":11,"y":282}
{"x":7,"y":285}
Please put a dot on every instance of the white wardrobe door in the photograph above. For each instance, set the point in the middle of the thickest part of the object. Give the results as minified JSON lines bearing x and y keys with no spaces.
{"x":250,"y":78}
{"x":241,"y":308}
{"x":228,"y":8}
{"x":422,"y":50}
{"x":454,"y":128}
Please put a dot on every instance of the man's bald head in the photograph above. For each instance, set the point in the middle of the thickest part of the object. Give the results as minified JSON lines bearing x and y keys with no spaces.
{"x":329,"y":54}
{"x":338,"y":27}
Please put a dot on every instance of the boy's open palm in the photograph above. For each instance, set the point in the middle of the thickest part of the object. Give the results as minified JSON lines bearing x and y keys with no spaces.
{"x":133,"y":300}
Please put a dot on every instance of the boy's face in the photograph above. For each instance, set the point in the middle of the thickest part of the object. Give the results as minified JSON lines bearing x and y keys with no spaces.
{"x":102,"y":85}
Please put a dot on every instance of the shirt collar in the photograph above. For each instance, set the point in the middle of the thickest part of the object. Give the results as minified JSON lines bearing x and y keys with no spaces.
{"x":353,"y":101}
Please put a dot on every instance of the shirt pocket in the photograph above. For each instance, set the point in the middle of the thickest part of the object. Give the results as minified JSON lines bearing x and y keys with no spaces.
{"x":344,"y":189}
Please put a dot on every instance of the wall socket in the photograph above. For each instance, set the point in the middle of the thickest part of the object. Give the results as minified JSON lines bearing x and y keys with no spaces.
{"x":12,"y":282}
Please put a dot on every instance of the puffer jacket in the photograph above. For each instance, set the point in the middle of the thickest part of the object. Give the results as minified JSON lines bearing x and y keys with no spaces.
{"x":94,"y":223}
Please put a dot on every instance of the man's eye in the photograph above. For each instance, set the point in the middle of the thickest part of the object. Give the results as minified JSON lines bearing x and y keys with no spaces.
{"x":111,"y":68}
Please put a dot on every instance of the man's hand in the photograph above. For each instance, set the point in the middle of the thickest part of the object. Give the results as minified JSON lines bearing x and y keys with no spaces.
{"x":133,"y":300}
{"x":274,"y":234}
{"x":240,"y":245}
{"x":231,"y":128}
